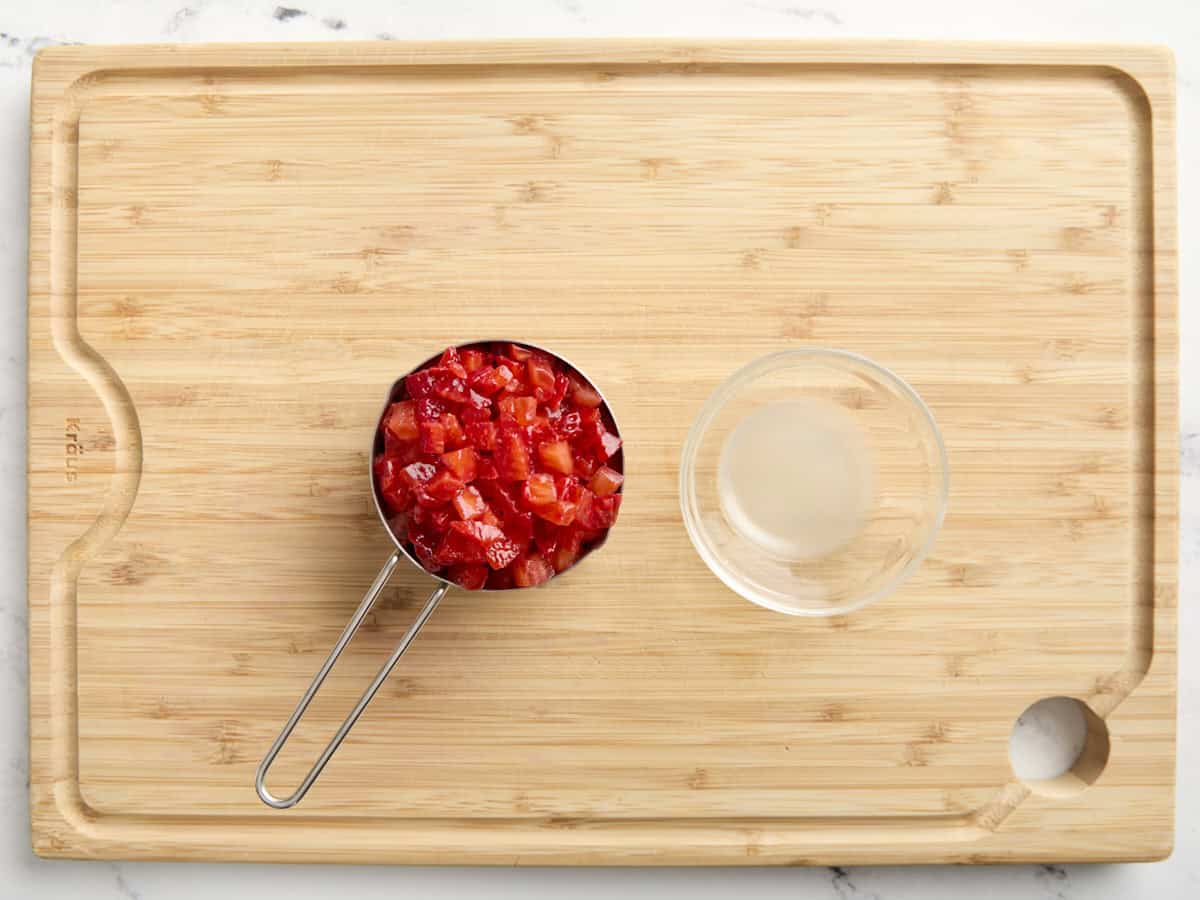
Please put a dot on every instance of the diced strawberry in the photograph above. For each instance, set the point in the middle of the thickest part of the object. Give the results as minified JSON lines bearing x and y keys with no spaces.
{"x":502,"y":498}
{"x":560,"y":391}
{"x":392,"y":484}
{"x":489,"y":380}
{"x":462,"y":463}
{"x":569,"y":424}
{"x":452,"y":360}
{"x":606,"y":481}
{"x":517,"y":352}
{"x":482,"y":532}
{"x":604,"y":511}
{"x":403,"y":452}
{"x":559,"y":512}
{"x":583,"y":508}
{"x":481,"y":380}
{"x":485,"y":470}
{"x":556,"y":457}
{"x":476,"y":401}
{"x":441,"y":488}
{"x":452,"y":387}
{"x":568,"y":487}
{"x":429,"y":410}
{"x":598,"y":512}
{"x":522,"y":410}
{"x":570,"y":545}
{"x":501,"y":580}
{"x":433,"y":437}
{"x":459,"y":547}
{"x":438,"y":382}
{"x":471,"y":576}
{"x":467,"y":542}
{"x":517,"y":385}
{"x":469,"y":413}
{"x":540,"y":490}
{"x":539,"y":372}
{"x":519,"y":529}
{"x":400,"y":524}
{"x":434,"y":519}
{"x":501,"y":552}
{"x":586,"y":396}
{"x":540,"y":431}
{"x":469,"y":504}
{"x":419,"y":385}
{"x":589,"y":434}
{"x":599,"y":440}
{"x":482,"y":435}
{"x":472,"y":360}
{"x":516,"y":522}
{"x":545,"y":536}
{"x":424,"y":544}
{"x":532,"y":570}
{"x":588,"y":415}
{"x":416,"y":474}
{"x":609,"y":444}
{"x":511,"y":456}
{"x":585,"y":465}
{"x":401,"y":420}
{"x":455,"y":437}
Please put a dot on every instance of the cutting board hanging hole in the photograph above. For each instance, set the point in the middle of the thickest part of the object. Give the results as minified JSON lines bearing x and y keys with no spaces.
{"x":1058,"y":746}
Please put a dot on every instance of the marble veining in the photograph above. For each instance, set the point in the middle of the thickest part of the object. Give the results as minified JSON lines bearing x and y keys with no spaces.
{"x":805,"y":13}
{"x":27,"y":27}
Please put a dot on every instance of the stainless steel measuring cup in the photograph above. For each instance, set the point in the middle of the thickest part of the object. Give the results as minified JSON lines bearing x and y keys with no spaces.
{"x":400,"y":552}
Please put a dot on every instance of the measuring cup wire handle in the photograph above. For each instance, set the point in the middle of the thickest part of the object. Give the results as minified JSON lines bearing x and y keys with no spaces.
{"x":352,"y":626}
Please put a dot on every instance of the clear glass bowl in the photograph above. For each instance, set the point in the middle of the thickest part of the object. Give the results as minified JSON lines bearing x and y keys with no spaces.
{"x":813,"y":482}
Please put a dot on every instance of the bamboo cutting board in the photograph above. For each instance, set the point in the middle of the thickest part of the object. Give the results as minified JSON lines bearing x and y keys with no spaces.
{"x":234,"y":250}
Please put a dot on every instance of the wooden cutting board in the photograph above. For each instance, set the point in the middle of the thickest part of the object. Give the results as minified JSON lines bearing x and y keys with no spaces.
{"x":234,"y":250}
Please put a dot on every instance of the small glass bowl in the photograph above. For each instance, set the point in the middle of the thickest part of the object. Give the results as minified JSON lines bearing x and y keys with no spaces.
{"x":813,"y":482}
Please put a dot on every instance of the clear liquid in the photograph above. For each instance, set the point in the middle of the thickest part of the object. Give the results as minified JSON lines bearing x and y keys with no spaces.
{"x":796,"y":478}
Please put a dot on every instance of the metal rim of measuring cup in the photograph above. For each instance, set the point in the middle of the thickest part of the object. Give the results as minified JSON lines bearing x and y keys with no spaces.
{"x":372,"y":594}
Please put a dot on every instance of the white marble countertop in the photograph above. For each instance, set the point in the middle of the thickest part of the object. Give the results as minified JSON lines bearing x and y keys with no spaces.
{"x":26,"y":26}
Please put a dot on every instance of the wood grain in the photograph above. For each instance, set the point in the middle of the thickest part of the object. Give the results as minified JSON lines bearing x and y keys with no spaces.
{"x":235,"y":249}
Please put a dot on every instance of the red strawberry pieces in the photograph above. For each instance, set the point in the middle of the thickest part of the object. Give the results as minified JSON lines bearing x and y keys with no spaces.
{"x":472,"y":576}
{"x":511,"y":455}
{"x":497,"y":467}
{"x":606,"y":481}
{"x":530,"y":571}
{"x":401,"y":421}
{"x":469,"y":504}
{"x":540,"y":490}
{"x":463,"y":464}
{"x":555,"y":456}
